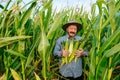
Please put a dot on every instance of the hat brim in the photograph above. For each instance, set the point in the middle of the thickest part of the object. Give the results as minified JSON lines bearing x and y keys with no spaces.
{"x":79,"y":26}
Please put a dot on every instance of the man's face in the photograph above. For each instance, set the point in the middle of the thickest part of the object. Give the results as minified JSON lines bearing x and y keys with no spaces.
{"x":71,"y":30}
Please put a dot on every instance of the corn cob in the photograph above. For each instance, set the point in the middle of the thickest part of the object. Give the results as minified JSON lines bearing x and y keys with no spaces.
{"x":66,"y":48}
{"x":71,"y":47}
{"x":72,"y":56}
{"x":80,"y":46}
{"x":65,"y":59}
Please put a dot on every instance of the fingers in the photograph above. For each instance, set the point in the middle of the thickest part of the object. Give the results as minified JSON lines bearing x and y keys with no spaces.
{"x":79,"y":53}
{"x":65,"y":53}
{"x":81,"y":49}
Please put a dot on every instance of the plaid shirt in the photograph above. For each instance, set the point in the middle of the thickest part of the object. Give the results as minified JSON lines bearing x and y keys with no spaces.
{"x":72,"y":69}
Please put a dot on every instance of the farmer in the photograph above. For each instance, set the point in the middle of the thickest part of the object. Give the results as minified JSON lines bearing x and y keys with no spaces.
{"x":72,"y":70}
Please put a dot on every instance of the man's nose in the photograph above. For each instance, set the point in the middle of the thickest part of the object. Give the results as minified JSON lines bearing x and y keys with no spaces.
{"x":74,"y":30}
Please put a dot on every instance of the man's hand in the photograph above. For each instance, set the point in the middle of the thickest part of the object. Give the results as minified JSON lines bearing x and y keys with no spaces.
{"x":65,"y":53}
{"x":79,"y":53}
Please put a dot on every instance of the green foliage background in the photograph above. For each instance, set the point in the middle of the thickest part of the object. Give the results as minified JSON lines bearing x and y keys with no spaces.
{"x":27,"y":39}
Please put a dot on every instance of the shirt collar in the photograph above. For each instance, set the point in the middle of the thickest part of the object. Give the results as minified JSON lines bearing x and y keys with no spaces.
{"x":68,"y":37}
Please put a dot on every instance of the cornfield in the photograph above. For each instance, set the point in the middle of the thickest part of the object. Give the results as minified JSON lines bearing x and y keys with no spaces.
{"x":28,"y":34}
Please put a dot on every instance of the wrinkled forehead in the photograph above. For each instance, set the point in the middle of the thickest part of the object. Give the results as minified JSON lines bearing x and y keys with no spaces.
{"x":72,"y":26}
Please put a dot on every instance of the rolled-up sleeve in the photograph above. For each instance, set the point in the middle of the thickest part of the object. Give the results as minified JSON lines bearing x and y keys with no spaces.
{"x":86,"y":53}
{"x":58,"y":48}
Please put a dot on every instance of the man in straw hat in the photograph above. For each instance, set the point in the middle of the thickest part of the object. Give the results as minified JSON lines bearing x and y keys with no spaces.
{"x":71,"y":70}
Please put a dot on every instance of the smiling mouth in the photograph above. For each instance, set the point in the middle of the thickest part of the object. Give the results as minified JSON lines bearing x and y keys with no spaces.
{"x":72,"y":33}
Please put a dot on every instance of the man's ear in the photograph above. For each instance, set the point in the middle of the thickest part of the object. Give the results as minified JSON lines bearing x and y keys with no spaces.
{"x":66,"y":29}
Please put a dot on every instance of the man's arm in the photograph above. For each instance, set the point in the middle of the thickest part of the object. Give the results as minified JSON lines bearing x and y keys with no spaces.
{"x":86,"y":53}
{"x":58,"y":51}
{"x":58,"y":48}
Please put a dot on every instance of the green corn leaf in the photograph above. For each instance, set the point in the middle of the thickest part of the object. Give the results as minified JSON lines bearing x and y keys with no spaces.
{"x":55,"y":25}
{"x":8,"y":3}
{"x":48,"y":17}
{"x":4,"y":21}
{"x":43,"y":43}
{"x":37,"y":77}
{"x":115,"y":60}
{"x":117,"y":77}
{"x":105,"y":75}
{"x":99,"y":6}
{"x":15,"y":75}
{"x":9,"y":40}
{"x":31,"y":53}
{"x":109,"y":41}
{"x":113,"y":50}
{"x":46,"y":5}
{"x":26,"y":16}
{"x":93,"y":10}
{"x":24,"y":6}
{"x":1,"y":6}
{"x":42,"y":48}
{"x":102,"y":65}
{"x":2,"y":77}
{"x":99,"y":3}
{"x":15,"y":53}
{"x":112,"y":14}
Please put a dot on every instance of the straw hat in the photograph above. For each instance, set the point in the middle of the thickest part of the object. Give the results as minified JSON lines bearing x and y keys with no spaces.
{"x":79,"y":26}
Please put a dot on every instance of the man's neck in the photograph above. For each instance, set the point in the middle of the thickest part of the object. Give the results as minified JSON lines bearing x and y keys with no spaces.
{"x":71,"y":37}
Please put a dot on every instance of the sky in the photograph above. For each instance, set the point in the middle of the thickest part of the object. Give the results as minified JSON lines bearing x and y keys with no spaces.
{"x":61,"y":4}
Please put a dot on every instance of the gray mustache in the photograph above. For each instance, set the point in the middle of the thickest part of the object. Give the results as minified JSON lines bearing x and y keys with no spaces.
{"x":72,"y":32}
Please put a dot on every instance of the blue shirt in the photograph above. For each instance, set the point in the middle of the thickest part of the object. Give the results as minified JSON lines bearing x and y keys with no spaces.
{"x":72,"y":69}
